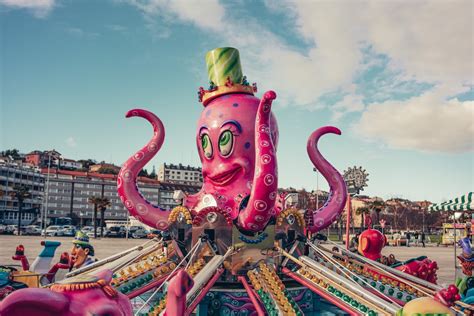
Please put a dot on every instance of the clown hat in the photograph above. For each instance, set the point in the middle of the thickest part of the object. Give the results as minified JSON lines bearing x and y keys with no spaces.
{"x":225,"y":75}
{"x":81,"y":239}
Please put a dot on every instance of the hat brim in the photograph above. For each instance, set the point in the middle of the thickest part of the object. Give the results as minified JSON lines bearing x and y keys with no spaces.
{"x":81,"y":243}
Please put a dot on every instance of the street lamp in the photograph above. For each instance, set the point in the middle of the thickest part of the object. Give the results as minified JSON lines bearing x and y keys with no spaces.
{"x":317,"y":188}
{"x":356,"y":179}
{"x":45,"y":205}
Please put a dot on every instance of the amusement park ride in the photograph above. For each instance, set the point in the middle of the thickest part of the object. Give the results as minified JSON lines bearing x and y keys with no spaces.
{"x":234,"y":248}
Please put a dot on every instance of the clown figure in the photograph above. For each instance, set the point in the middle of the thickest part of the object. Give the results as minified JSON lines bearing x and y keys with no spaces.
{"x":81,"y":252}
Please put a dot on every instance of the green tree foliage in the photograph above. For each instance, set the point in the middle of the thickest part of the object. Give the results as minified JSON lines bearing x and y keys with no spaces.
{"x":20,"y":192}
{"x":86,"y":163}
{"x":14,"y":153}
{"x":100,"y":203}
{"x":108,"y":170}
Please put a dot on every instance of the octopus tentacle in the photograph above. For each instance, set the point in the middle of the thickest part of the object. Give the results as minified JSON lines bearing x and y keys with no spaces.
{"x":127,"y":188}
{"x":332,"y":209}
{"x":259,"y":208}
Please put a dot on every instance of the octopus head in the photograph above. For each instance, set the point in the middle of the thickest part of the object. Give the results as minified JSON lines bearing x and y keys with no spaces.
{"x":226,"y":140}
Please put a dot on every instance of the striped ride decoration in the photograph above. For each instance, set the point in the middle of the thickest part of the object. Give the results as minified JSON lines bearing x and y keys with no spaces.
{"x":462,"y":203}
{"x":223,"y":63}
{"x":72,"y":287}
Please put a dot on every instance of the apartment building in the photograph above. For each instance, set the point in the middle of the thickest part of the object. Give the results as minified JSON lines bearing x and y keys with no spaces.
{"x":69,"y":193}
{"x":17,"y":174}
{"x":179,"y":173}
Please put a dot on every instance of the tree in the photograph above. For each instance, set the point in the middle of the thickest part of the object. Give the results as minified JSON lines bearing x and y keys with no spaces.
{"x":96,"y":201}
{"x":86,"y":163}
{"x":20,"y":192}
{"x":378,"y":206}
{"x":108,"y":170}
{"x":303,"y":199}
{"x":14,"y":153}
{"x":103,"y":205}
{"x":143,"y":173}
{"x":152,"y":174}
{"x":100,"y":203}
{"x":362,"y":211}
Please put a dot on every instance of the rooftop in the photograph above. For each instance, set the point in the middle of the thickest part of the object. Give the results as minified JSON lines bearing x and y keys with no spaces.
{"x":181,"y":167}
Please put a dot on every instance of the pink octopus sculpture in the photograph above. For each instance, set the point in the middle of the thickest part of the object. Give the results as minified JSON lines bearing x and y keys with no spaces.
{"x":87,"y":297}
{"x":237,"y":137}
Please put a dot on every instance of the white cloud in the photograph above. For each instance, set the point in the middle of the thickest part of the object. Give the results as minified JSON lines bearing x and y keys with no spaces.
{"x":204,"y":14}
{"x":71,"y":141}
{"x":427,"y":123}
{"x":426,"y":41}
{"x":40,"y":8}
{"x":431,"y":39}
{"x":350,"y":103}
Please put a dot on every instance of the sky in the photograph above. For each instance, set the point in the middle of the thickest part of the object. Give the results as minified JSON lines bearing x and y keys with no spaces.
{"x":395,"y":76}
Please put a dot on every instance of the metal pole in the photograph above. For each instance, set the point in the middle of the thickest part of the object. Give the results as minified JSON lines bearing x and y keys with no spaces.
{"x":45,"y":215}
{"x":454,"y":244}
{"x":423,"y":225}
{"x":389,"y":269}
{"x":128,"y":226}
{"x":317,"y":189}
{"x":348,"y":220}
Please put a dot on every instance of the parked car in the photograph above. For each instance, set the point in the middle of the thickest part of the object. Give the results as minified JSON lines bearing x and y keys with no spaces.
{"x":87,"y":228}
{"x":54,"y":231}
{"x":116,"y":231}
{"x":68,"y":227}
{"x":34,"y":230}
{"x":10,"y":229}
{"x":90,"y":233}
{"x":138,"y":232}
{"x":3,"y":228}
{"x":153,"y":234}
{"x":15,"y":230}
{"x":69,"y":230}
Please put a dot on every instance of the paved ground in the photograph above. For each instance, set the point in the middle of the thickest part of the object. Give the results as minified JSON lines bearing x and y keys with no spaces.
{"x":444,"y":256}
{"x":106,"y":247}
{"x":103,"y":247}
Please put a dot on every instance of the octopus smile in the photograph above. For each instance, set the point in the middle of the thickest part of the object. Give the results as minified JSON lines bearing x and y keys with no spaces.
{"x":225,"y":177}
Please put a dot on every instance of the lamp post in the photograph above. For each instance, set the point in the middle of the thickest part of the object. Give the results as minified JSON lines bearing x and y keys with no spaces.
{"x":81,"y":214}
{"x":317,"y":187}
{"x":356,"y":179}
{"x":423,"y":224}
{"x":45,"y":208}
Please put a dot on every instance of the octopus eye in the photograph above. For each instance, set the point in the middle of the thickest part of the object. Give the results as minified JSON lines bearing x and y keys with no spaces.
{"x":206,"y":146}
{"x":226,"y":143}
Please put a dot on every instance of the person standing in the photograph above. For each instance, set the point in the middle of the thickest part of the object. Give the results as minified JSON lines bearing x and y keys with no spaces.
{"x":423,"y":236}
{"x":408,"y":238}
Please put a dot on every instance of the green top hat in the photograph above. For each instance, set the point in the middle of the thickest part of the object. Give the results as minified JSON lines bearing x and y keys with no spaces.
{"x":81,"y":238}
{"x":225,"y":75}
{"x":223,"y":63}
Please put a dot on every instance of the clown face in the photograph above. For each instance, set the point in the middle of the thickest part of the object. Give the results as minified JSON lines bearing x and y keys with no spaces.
{"x":79,"y":255}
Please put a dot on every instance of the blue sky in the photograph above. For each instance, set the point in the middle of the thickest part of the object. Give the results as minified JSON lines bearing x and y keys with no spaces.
{"x":395,"y":77}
